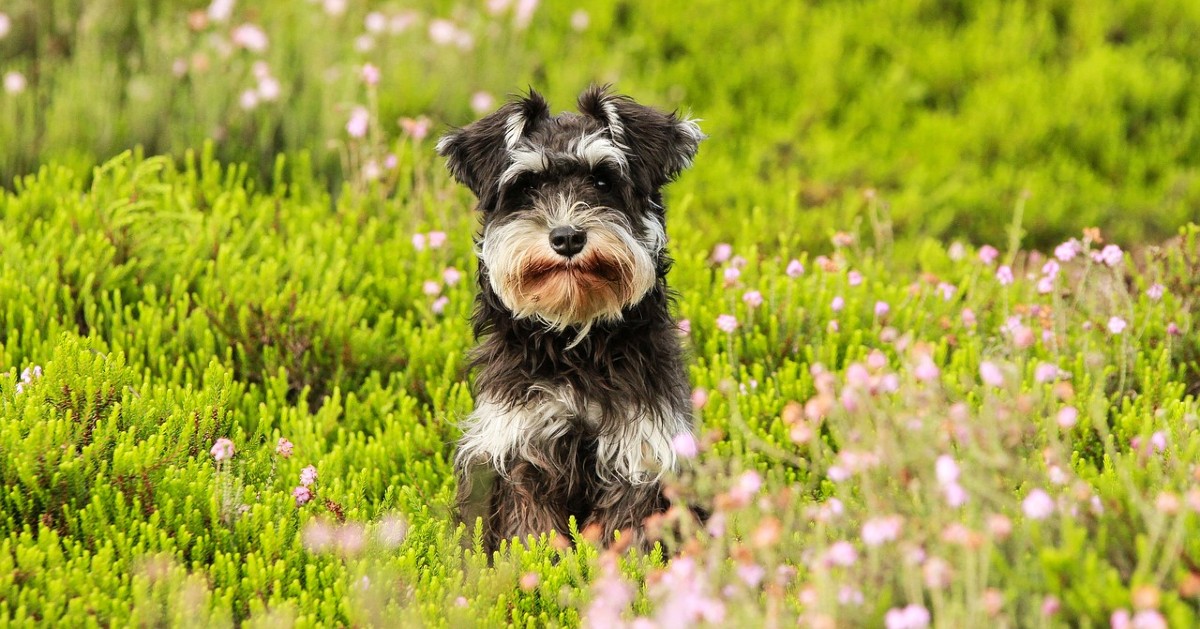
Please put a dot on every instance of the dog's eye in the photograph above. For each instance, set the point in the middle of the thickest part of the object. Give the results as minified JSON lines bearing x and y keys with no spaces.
{"x":600,"y":182}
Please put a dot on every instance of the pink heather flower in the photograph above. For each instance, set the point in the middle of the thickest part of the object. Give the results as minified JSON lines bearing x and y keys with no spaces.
{"x":999,"y":526}
{"x":431,"y":288}
{"x":751,"y":574}
{"x":334,"y":8}
{"x":1045,"y":285}
{"x":248,"y":100}
{"x":1046,"y":372}
{"x":284,"y":448}
{"x":1120,"y":619}
{"x":968,"y":317}
{"x":442,"y":32}
{"x":854,"y":278}
{"x":1067,"y":417}
{"x":390,"y":162}
{"x":220,"y":10}
{"x":833,"y":326}
{"x":753,"y":298}
{"x":882,"y":309}
{"x":416,"y":128}
{"x":732,"y":274}
{"x":222,"y":449}
{"x":795,"y":269}
{"x":926,"y":370}
{"x":439,"y":305}
{"x":738,"y":262}
{"x":957,"y":251}
{"x":437,"y":239}
{"x":250,"y":37}
{"x":451,"y":276}
{"x":14,"y":82}
{"x":685,"y":327}
{"x":1038,"y":505}
{"x":699,"y":398}
{"x":370,"y":74}
{"x":876,"y":531}
{"x":364,"y":43}
{"x":308,"y":475}
{"x":841,"y":554}
{"x":857,"y":376}
{"x":482,"y":102}
{"x":357,"y":125}
{"x":947,"y":470}
{"x":1004,"y":275}
{"x":909,"y":617}
{"x":418,"y":242}
{"x":269,"y":89}
{"x":947,"y":290}
{"x":1116,"y":325}
{"x":1067,"y":250}
{"x":1158,"y":441}
{"x":375,"y":22}
{"x":955,"y":495}
{"x":523,"y":13}
{"x":1155,"y":292}
{"x":749,"y":482}
{"x":529,"y":581}
{"x":1173,"y":329}
{"x":850,"y":596}
{"x":302,"y":495}
{"x":1149,"y":619}
{"x":837,"y":304}
{"x":1051,"y":605}
{"x":842,"y":240}
{"x":685,"y":445}
{"x":876,"y":360}
{"x":1110,"y":255}
{"x":988,"y":254}
{"x":990,"y":374}
{"x":580,"y":20}
{"x":1050,"y":268}
{"x":727,"y":323}
{"x":721,"y":252}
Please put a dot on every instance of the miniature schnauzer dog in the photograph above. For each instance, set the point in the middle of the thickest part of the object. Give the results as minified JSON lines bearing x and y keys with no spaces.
{"x":580,"y":385}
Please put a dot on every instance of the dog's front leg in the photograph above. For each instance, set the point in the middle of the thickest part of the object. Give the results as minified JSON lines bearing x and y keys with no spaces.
{"x":624,"y":506}
{"x":527,"y":501}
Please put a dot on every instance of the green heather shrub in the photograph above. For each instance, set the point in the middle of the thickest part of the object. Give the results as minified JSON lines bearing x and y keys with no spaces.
{"x":991,"y":438}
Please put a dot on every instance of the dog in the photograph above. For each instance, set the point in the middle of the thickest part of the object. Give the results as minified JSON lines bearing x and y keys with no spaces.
{"x":580,"y":386}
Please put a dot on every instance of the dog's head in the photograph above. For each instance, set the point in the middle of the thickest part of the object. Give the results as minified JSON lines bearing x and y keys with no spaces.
{"x":573,"y":228}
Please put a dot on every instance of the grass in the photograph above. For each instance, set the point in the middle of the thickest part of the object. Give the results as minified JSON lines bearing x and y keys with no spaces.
{"x":897,"y":433}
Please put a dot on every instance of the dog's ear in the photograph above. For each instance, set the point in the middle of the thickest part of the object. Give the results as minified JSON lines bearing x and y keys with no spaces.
{"x":659,"y":145}
{"x":478,"y":153}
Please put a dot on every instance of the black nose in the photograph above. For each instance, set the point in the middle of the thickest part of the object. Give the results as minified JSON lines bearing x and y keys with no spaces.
{"x":567,"y":241}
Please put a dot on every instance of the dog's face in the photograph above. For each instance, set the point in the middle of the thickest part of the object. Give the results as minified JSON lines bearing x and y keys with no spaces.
{"x":573,"y":229}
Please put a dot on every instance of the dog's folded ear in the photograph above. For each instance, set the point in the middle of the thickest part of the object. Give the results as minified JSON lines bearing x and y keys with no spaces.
{"x":659,"y":145}
{"x":478,"y":153}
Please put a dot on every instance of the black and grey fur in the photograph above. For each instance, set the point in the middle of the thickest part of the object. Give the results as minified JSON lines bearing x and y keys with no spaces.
{"x":581,"y":385}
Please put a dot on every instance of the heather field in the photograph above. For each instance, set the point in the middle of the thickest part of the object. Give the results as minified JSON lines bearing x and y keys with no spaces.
{"x":938,"y":276}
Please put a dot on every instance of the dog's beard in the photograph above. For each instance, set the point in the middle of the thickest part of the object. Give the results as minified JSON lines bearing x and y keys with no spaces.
{"x":615,"y":270}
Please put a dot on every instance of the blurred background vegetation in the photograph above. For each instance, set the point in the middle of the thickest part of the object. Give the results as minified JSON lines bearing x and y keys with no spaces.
{"x":954,"y":112}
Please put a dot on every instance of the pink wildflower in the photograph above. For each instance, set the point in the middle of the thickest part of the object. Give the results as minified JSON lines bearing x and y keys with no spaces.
{"x":1110,"y":255}
{"x":451,"y":276}
{"x":14,"y":82}
{"x":947,"y":290}
{"x":685,"y":445}
{"x":1067,"y":417}
{"x":795,"y":269}
{"x":437,"y":239}
{"x":854,"y":278}
{"x":308,"y":476}
{"x":727,"y":323}
{"x":439,"y":305}
{"x":370,"y":74}
{"x":416,"y":128}
{"x":721,"y":252}
{"x":431,"y":288}
{"x":302,"y":495}
{"x":926,"y":370}
{"x":482,"y":102}
{"x":1116,"y":325}
{"x":699,"y":398}
{"x":841,"y":553}
{"x":988,"y":254}
{"x":882,"y":309}
{"x":284,"y":448}
{"x":418,"y":242}
{"x":685,"y":327}
{"x":1004,"y":275}
{"x":991,"y":374}
{"x":909,"y":617}
{"x":837,"y":304}
{"x":580,"y":20}
{"x":1038,"y":505}
{"x":1155,"y":292}
{"x":250,"y":37}
{"x":1067,"y":250}
{"x":1046,"y":372}
{"x":732,"y":275}
{"x":222,"y":449}
{"x":356,"y":127}
{"x":753,"y":298}
{"x":876,"y":531}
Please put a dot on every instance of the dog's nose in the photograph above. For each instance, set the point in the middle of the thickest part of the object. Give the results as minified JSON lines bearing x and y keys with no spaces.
{"x":567,"y":241}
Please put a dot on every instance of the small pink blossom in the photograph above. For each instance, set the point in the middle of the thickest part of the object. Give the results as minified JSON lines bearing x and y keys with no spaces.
{"x":842,"y":240}
{"x":1116,"y":325}
{"x":1004,"y":275}
{"x":1067,"y":417}
{"x":795,"y":269}
{"x":947,"y":470}
{"x":580,"y":20}
{"x":1155,"y":292}
{"x":1045,"y":285}
{"x":375,"y":22}
{"x":882,"y":309}
{"x":442,"y":31}
{"x":250,"y":37}
{"x":685,"y":445}
{"x":370,"y":74}
{"x":1149,"y":619}
{"x":482,"y":102}
{"x":937,"y":573}
{"x":431,"y":288}
{"x":1050,"y":268}
{"x":947,"y":290}
{"x":418,"y":242}
{"x":356,"y":127}
{"x":1046,"y":372}
{"x":284,"y":448}
{"x":1173,"y":329}
{"x":727,"y":323}
{"x":876,"y":531}
{"x":991,"y":374}
{"x":451,"y":276}
{"x":269,"y":89}
{"x":439,"y":305}
{"x":909,"y":617}
{"x":753,"y":298}
{"x":955,"y":495}
{"x":841,"y":553}
{"x":732,"y":275}
{"x":1120,"y":619}
{"x":416,"y":128}
{"x":988,"y":254}
{"x":248,"y":100}
{"x":854,"y":278}
{"x":1067,"y":250}
{"x":302,"y":494}
{"x":850,"y":596}
{"x":1038,"y":505}
{"x":699,"y":398}
{"x":968,"y":317}
{"x":220,"y":10}
{"x":1051,"y":605}
{"x":222,"y":450}
{"x":685,"y":327}
{"x":308,"y":475}
{"x":721,"y":252}
{"x":926,"y":370}
{"x":334,"y":8}
{"x":751,"y":574}
{"x":437,"y":239}
{"x":837,"y":304}
{"x":1110,"y":255}
{"x":14,"y":82}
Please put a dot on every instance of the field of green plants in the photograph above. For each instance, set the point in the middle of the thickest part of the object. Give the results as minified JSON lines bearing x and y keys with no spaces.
{"x":938,"y":269}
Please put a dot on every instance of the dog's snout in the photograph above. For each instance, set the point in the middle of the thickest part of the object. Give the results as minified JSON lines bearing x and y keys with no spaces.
{"x":567,"y":241}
